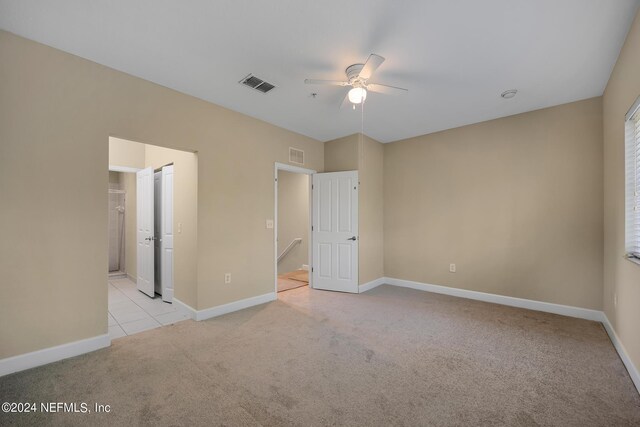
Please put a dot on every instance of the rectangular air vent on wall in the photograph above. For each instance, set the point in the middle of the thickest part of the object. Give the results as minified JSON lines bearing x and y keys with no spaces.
{"x":258,"y":84}
{"x":296,"y":156}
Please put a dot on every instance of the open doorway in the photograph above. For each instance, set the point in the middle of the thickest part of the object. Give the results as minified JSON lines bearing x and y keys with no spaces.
{"x":292,"y":227}
{"x":142,"y":229}
{"x":117,"y":209}
{"x":328,"y":204}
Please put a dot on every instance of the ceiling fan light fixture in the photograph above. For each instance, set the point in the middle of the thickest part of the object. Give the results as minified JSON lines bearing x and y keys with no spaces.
{"x":357,"y":95}
{"x":358,"y":77}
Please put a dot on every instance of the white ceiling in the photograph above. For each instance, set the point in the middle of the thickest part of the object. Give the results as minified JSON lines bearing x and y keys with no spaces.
{"x":454,"y":56}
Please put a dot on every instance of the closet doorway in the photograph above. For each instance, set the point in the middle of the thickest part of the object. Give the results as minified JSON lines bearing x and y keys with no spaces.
{"x":152,"y":191}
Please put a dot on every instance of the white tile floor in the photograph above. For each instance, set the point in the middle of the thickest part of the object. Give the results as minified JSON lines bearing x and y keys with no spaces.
{"x":131,"y":311}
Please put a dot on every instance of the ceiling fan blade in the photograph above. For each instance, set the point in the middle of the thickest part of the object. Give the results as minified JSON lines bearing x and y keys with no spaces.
{"x":325,"y":82}
{"x":372,"y":64}
{"x":345,"y":102}
{"x":386,"y":89}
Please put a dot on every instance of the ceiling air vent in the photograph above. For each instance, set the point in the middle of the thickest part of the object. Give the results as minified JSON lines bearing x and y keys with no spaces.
{"x":258,"y":84}
{"x":296,"y":156}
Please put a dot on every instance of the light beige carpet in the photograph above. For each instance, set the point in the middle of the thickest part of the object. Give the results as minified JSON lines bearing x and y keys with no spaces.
{"x":391,"y":356}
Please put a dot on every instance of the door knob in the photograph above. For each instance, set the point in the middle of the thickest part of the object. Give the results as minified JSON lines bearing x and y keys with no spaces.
{"x":352,"y":238}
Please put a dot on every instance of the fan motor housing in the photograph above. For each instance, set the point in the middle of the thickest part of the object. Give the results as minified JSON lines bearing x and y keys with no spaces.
{"x":352,"y":72}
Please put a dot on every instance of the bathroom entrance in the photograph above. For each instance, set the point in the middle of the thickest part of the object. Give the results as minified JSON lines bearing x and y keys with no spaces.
{"x":117,"y":210}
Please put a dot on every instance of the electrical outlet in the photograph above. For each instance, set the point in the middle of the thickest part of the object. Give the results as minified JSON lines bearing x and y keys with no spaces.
{"x":452,"y":268}
{"x":227,"y":277}
{"x":269,"y":223}
{"x":179,"y":228}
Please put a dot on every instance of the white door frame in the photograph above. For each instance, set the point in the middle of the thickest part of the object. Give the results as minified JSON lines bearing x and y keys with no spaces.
{"x":125,"y":169}
{"x":294,"y":169}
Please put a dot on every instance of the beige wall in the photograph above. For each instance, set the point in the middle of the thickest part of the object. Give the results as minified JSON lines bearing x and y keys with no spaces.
{"x":342,"y":154}
{"x":621,"y":277}
{"x":114,"y":180}
{"x":515,"y":203}
{"x":62,"y":142}
{"x":293,"y":219}
{"x":371,"y":170}
{"x":364,"y":154}
{"x":126,"y":153}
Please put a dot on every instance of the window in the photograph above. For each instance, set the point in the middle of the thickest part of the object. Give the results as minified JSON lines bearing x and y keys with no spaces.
{"x":632,"y":178}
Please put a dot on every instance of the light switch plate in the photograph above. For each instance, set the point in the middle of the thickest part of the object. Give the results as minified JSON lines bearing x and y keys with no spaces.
{"x":269,"y":223}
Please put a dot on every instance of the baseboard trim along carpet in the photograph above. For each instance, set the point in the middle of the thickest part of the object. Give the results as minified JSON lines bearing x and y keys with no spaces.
{"x":372,"y":284}
{"x":219,"y":310}
{"x":52,"y":354}
{"x":185,"y":308}
{"x":564,"y":310}
{"x":622,"y":352}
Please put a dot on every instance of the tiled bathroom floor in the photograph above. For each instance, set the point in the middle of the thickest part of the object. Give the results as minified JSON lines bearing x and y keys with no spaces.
{"x":131,"y":311}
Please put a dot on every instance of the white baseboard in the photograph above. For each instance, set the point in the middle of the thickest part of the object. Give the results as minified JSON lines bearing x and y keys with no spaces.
{"x":219,"y":310}
{"x":53,"y":354}
{"x":372,"y":284}
{"x":305,"y":267}
{"x":622,"y":352}
{"x":565,"y":310}
{"x":185,"y":308}
{"x":133,"y":279}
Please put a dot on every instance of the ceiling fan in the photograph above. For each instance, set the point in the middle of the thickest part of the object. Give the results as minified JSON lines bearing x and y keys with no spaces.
{"x":358,"y":76}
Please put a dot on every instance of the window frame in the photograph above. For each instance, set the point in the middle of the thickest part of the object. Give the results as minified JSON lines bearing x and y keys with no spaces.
{"x":632,"y":145}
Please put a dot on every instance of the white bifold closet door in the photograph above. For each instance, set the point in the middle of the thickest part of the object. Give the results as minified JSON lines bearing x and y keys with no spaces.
{"x":166,"y":234}
{"x":157,"y":232}
{"x":145,"y":230}
{"x":335,"y":231}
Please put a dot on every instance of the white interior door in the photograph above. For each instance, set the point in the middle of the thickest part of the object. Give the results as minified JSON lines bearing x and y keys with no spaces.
{"x":157,"y":232}
{"x":145,"y":230}
{"x":335,"y":231}
{"x":166,"y":230}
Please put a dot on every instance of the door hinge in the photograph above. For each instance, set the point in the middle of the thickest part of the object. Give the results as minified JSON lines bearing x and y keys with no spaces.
{"x":312,"y":187}
{"x":312,"y":269}
{"x":312,"y":228}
